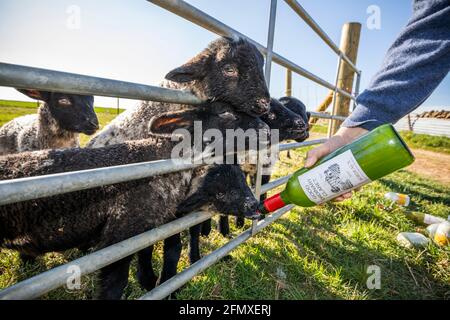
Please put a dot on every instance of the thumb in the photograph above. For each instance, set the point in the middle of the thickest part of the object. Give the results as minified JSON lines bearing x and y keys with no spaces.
{"x":315,"y":154}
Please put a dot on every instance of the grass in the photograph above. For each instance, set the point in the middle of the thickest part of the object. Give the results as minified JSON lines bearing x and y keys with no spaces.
{"x":427,"y":142}
{"x":317,"y":253}
{"x":320,"y":127}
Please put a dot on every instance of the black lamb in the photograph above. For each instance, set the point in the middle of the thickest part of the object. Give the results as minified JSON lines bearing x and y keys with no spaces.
{"x":102,"y":216}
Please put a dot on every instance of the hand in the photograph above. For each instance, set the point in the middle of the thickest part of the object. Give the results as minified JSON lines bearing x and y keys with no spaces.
{"x":342,"y":137}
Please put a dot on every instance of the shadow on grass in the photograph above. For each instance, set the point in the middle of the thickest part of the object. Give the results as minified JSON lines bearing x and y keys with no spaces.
{"x":22,"y":271}
{"x":350,"y":259}
{"x":401,"y":278}
{"x":324,"y":264}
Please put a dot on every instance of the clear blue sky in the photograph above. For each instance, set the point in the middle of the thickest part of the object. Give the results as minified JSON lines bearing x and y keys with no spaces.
{"x":139,"y":42}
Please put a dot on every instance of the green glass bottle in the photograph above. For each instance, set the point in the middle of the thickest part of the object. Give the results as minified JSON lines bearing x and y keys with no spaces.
{"x":370,"y":157}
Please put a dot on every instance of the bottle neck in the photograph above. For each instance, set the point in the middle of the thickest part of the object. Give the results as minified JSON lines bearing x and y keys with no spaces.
{"x":271,"y":204}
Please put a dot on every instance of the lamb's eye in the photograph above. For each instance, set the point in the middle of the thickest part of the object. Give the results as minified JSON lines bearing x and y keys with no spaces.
{"x":229,"y":70}
{"x":65,"y":102}
{"x":220,"y":195}
{"x":228,"y":116}
{"x":234,"y":194}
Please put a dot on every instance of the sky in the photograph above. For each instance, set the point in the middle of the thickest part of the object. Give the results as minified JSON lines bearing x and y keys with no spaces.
{"x":138,"y":41}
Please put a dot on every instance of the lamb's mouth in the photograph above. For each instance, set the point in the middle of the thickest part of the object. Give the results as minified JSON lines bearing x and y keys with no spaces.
{"x":90,"y":131}
{"x":253,"y":215}
{"x":253,"y":110}
{"x":301,"y":135}
{"x":261,"y":108}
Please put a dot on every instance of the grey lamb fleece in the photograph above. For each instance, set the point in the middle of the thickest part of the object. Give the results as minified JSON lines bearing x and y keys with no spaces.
{"x":98,"y":217}
{"x":99,"y":204}
{"x":133,"y":123}
{"x":35,"y":132}
{"x":91,"y":218}
{"x":119,"y":211}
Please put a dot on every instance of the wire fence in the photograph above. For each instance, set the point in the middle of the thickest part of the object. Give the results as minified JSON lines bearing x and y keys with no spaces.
{"x":43,"y":186}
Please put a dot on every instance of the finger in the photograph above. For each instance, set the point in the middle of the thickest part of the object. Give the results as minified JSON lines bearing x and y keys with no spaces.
{"x":315,"y":154}
{"x":343,"y":197}
{"x":338,"y":199}
{"x":347,"y":195}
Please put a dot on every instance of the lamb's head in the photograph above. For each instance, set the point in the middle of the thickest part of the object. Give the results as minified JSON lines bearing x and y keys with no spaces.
{"x":213,"y":122}
{"x":225,"y":189}
{"x":299,"y":108}
{"x":72,"y":112}
{"x":229,"y":70}
{"x":290,"y":124}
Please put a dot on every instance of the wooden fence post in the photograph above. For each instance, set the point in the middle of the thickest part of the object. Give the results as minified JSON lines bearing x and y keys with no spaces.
{"x":288,"y":83}
{"x":322,"y":107}
{"x":349,"y":46}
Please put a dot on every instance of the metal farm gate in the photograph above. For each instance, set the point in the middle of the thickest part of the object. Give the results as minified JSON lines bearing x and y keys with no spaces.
{"x":16,"y":190}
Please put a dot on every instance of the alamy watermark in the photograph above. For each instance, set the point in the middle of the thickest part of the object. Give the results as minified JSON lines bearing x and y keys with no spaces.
{"x":73,"y":281}
{"x":73,"y":21}
{"x":236,"y":146}
{"x":374,"y":277}
{"x":373,"y":21}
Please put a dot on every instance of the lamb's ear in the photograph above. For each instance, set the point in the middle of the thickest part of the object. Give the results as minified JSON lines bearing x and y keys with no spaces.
{"x":167,"y":123}
{"x":308,"y":115}
{"x":36,"y":94}
{"x":195,"y":69}
{"x":192,"y":203}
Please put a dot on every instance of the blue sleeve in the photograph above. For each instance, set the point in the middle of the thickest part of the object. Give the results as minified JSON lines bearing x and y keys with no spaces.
{"x":414,"y":65}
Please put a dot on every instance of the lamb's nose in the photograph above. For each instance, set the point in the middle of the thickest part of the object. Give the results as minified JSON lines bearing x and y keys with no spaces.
{"x":251,"y":207}
{"x":93,"y":124}
{"x":254,"y":206}
{"x":263,"y":105}
{"x":299,"y":123}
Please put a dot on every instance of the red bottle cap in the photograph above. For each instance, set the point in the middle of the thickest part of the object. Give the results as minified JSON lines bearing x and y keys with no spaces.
{"x":272,"y":204}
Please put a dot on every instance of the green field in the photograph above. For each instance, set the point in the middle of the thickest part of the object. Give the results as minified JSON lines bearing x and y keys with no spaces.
{"x":316,"y":253}
{"x":427,"y":142}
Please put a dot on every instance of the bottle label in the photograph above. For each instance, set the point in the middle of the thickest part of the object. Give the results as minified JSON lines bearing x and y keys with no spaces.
{"x":333,"y":178}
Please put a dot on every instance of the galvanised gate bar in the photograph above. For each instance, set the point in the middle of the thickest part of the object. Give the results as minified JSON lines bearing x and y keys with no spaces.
{"x":43,"y":186}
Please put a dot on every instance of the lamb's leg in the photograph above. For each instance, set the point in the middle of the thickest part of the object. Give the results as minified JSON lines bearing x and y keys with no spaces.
{"x":239,"y":221}
{"x":113,"y":279}
{"x":224,"y":226}
{"x":145,"y":274}
{"x":252,"y":178}
{"x":172,"y":252}
{"x":194,"y":243}
{"x":264,"y":180}
{"x":27,"y":259}
{"x":206,"y":227}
